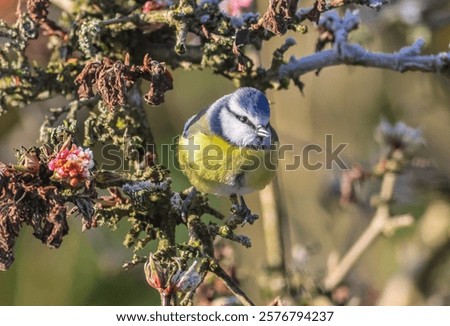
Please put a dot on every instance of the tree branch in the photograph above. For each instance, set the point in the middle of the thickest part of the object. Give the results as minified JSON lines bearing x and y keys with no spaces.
{"x":271,"y":210}
{"x":231,"y":284}
{"x":380,"y":223}
{"x":344,"y":53}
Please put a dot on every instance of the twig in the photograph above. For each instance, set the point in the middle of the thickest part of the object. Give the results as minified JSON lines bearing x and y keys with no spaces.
{"x":397,"y":222}
{"x":135,"y":19}
{"x":165,"y":299}
{"x":356,"y":55}
{"x":419,"y":271}
{"x":231,"y":285}
{"x":271,"y":211}
{"x":375,"y":4}
{"x":344,"y":53}
{"x":160,"y":16}
{"x":273,"y":235}
{"x":324,"y":6}
{"x":377,"y":226}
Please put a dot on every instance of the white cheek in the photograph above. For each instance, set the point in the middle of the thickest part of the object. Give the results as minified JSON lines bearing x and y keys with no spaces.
{"x":236,"y":131}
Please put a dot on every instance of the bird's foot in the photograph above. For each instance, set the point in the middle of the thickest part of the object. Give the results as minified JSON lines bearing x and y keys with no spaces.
{"x":250,"y":218}
{"x":242,"y":212}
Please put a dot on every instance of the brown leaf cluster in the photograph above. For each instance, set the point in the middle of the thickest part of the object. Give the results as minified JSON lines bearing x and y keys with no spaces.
{"x":29,"y":197}
{"x":38,"y":11}
{"x":112,"y":79}
{"x":278,"y":16}
{"x":26,"y":199}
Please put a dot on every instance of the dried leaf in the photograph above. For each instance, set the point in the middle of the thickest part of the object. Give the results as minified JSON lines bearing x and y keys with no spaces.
{"x":112,"y":79}
{"x":28,"y":196}
{"x":278,"y":16}
{"x":160,"y":80}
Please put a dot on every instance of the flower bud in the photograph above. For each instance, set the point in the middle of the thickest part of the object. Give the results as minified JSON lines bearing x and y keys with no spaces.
{"x":171,"y":279}
{"x":72,"y":166}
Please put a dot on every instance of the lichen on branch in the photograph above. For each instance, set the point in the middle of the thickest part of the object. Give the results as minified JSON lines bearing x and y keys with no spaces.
{"x":103,"y":54}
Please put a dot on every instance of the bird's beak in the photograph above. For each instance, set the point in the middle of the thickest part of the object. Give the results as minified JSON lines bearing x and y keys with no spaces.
{"x":262,"y":132}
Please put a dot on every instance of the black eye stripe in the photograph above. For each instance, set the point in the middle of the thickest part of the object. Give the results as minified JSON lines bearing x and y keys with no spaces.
{"x":241,"y":118}
{"x":245,"y":120}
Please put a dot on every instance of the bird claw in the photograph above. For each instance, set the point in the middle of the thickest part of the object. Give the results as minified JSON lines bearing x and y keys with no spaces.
{"x":244,"y":213}
{"x":250,"y":218}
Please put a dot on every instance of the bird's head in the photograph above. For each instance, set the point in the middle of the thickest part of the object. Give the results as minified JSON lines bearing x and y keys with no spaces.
{"x":243,"y":118}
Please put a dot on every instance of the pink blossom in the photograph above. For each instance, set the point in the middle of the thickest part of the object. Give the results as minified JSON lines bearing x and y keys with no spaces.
{"x":234,"y":7}
{"x":72,"y":166}
{"x":153,"y":5}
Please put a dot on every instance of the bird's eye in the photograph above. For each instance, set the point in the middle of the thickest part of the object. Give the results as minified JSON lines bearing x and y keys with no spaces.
{"x":243,"y":119}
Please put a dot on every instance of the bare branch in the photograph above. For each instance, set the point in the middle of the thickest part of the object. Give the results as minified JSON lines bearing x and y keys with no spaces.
{"x":320,"y":6}
{"x":231,"y":284}
{"x":381,"y":222}
{"x":375,"y":4}
{"x":344,"y":53}
{"x":397,"y":222}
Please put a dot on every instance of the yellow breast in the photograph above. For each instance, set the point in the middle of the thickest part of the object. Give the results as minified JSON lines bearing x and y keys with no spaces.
{"x":212,"y":165}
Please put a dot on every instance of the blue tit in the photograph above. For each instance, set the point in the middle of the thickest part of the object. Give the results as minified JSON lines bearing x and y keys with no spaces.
{"x":227,"y":148}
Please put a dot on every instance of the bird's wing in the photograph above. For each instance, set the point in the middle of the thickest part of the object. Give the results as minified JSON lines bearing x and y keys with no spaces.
{"x":197,"y":123}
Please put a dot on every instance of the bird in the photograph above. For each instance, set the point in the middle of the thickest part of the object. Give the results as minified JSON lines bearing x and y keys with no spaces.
{"x":229,"y":148}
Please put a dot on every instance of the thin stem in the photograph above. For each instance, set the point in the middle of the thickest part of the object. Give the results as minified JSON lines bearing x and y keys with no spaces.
{"x":271,"y":212}
{"x":231,"y":285}
{"x":160,"y":16}
{"x":273,"y":234}
{"x":165,"y":299}
{"x":375,"y":228}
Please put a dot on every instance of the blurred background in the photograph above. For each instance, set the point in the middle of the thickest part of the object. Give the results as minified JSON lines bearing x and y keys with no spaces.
{"x":346,"y":102}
